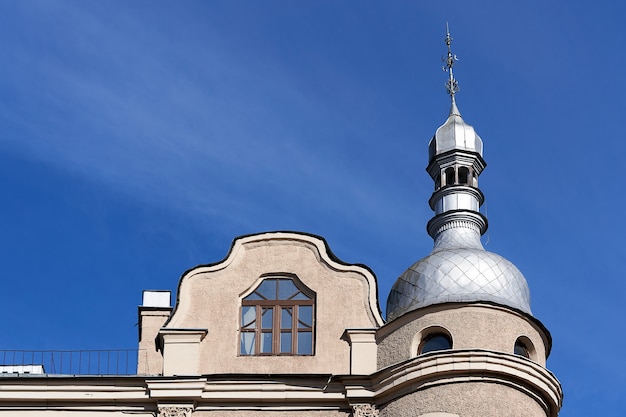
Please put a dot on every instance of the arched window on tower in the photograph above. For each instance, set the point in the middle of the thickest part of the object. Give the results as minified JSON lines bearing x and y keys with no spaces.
{"x":450,"y":176}
{"x":464,"y":176}
{"x":277,"y":318}
{"x":524,"y":347}
{"x":435,"y":341}
{"x":520,"y":349}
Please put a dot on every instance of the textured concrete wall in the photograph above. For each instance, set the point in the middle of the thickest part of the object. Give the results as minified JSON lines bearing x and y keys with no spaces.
{"x":211,"y":298}
{"x":472,"y":326}
{"x":150,"y":360}
{"x":475,"y":399}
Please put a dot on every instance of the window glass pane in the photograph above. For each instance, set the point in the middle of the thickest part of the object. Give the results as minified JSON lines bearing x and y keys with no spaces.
{"x":286,"y":319}
{"x":268,"y":289}
{"x":248,"y":317}
{"x":285,"y":342}
{"x":253,"y":296}
{"x":300,"y":296}
{"x":521,"y":349}
{"x":247,"y":343}
{"x":266,"y":342}
{"x":305,"y":316}
{"x":305,"y":343}
{"x":286,"y":288}
{"x":436,"y":342}
{"x":267,"y":318}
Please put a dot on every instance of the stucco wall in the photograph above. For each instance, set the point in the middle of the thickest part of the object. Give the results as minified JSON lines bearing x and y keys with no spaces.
{"x":149,"y":359}
{"x":476,"y":399}
{"x":472,"y":326}
{"x":210,"y":297}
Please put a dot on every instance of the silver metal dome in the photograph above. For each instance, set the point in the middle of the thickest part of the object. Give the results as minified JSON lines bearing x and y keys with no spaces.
{"x":458,"y":270}
{"x":455,"y":134}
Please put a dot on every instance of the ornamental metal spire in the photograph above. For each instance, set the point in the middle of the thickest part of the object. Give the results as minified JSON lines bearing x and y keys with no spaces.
{"x":452,"y":85}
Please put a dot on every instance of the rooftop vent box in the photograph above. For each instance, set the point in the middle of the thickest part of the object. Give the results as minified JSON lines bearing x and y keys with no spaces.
{"x":156,"y":298}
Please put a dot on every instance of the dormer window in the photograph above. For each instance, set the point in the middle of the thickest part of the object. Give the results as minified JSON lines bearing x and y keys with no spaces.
{"x":277,"y":318}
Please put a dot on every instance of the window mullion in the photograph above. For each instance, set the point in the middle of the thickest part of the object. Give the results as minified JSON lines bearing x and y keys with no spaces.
{"x":294,"y":330}
{"x":257,"y":330}
{"x":276,"y":330}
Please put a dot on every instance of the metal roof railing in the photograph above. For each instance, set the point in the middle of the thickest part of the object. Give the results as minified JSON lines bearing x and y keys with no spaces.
{"x":69,"y":362}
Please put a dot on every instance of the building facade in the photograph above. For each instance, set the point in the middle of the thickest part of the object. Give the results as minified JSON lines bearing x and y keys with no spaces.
{"x":282,"y":328}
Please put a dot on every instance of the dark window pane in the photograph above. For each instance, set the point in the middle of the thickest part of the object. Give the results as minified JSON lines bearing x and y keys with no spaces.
{"x":305,"y":343}
{"x":266,"y":342}
{"x":285,"y":342}
{"x":286,"y":319}
{"x":268,"y":289}
{"x":286,"y":288}
{"x":521,"y":349}
{"x":437,"y":341}
{"x":305,"y":316}
{"x":267,"y":318}
{"x":247,"y":343}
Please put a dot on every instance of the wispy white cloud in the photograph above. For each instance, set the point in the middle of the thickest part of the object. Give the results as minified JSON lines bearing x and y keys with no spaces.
{"x":186,"y":125}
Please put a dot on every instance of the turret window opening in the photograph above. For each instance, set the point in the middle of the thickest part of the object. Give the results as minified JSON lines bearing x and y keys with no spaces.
{"x":524,"y":347}
{"x":435,"y":341}
{"x":464,"y":176}
{"x":450,"y":176}
{"x":277,"y":318}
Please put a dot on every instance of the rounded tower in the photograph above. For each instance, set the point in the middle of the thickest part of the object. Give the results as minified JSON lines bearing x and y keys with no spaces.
{"x":459,"y":320}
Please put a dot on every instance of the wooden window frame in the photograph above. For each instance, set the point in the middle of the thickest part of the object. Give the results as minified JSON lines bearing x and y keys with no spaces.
{"x":277,"y":306}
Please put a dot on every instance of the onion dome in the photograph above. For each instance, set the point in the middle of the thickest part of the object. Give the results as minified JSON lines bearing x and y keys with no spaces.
{"x":458,"y":269}
{"x":455,"y":134}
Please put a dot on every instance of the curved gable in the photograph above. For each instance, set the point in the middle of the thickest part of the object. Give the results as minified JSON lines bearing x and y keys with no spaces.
{"x":210,"y":301}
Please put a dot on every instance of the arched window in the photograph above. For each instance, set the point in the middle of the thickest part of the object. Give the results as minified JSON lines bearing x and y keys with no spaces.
{"x":450,"y":176}
{"x":277,"y":318}
{"x":524,"y":347}
{"x":435,"y":341}
{"x":520,"y":349}
{"x":464,"y":176}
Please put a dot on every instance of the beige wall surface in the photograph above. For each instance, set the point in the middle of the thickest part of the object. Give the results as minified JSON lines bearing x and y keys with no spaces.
{"x":476,"y":399}
{"x":149,"y":359}
{"x":210,"y":297}
{"x":73,"y":413}
{"x":472,"y":326}
{"x":271,"y":413}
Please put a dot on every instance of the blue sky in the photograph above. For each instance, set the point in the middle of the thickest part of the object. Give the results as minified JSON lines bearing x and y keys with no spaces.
{"x":137,"y":139}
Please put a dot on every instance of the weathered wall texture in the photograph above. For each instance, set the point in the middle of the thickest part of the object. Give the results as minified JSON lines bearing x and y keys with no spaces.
{"x":475,"y":399}
{"x":472,"y":326}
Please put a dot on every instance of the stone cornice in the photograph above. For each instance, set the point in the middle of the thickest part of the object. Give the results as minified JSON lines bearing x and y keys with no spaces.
{"x":457,"y":367}
{"x":299,"y":391}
